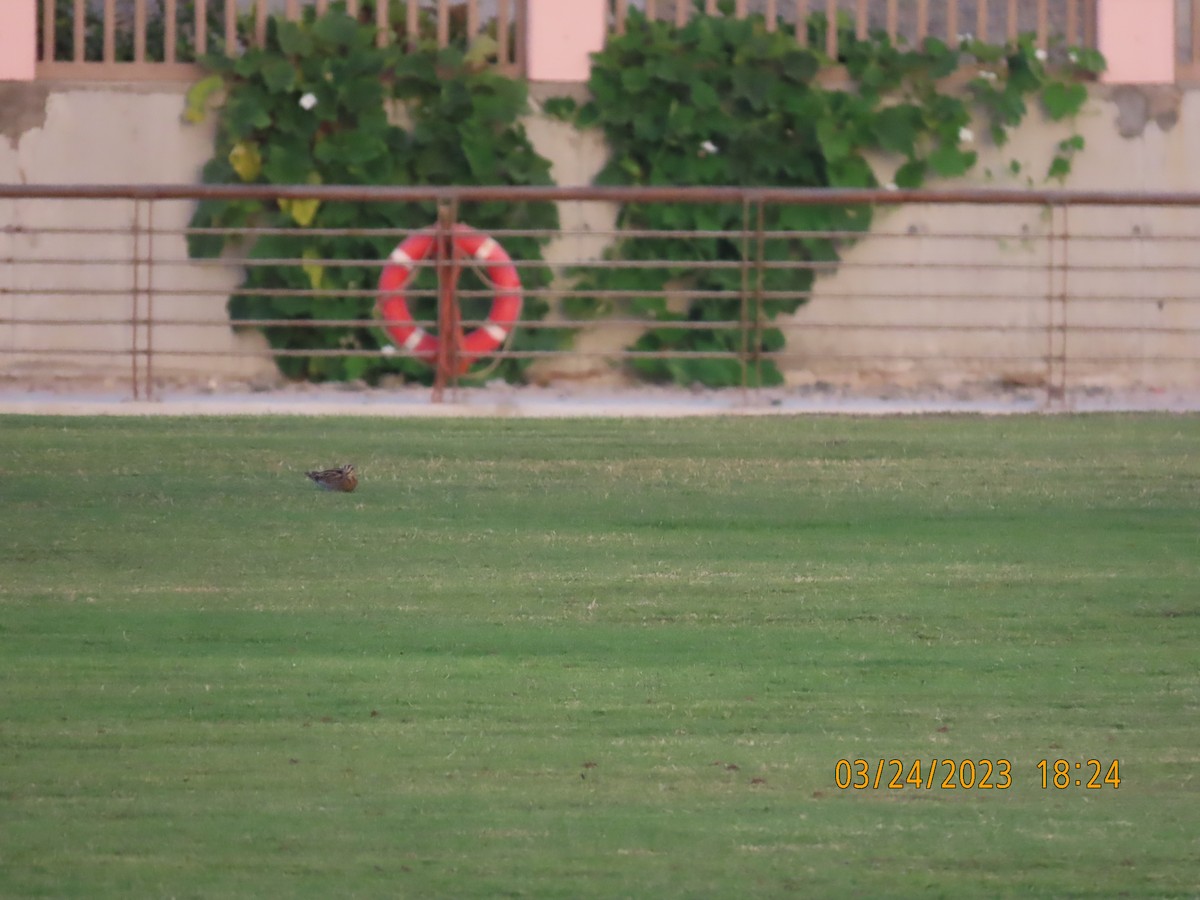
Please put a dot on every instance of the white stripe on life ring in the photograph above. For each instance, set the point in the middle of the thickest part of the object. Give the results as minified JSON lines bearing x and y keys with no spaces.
{"x":486,"y":249}
{"x":400,"y":256}
{"x":414,"y":339}
{"x":497,"y":333}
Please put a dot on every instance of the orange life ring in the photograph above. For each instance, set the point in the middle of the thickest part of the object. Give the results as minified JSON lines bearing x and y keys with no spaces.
{"x":392,"y":305}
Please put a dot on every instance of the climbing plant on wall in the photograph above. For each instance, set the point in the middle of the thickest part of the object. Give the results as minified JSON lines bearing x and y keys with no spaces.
{"x":311,"y":107}
{"x":718,"y":102}
{"x":724,"y":101}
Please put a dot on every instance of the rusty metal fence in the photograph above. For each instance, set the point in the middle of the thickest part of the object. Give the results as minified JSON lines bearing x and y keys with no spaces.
{"x":1045,"y":291}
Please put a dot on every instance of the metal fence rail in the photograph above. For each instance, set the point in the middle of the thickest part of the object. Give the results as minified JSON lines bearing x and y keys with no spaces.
{"x":1047,"y":290}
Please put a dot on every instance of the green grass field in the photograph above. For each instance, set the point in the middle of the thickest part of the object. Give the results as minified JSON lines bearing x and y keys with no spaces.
{"x":598,"y":658}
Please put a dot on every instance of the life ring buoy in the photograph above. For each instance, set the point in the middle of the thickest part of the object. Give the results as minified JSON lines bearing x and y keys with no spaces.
{"x":392,"y":305}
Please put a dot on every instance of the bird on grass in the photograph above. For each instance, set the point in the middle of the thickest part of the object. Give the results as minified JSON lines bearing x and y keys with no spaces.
{"x":343,"y":478}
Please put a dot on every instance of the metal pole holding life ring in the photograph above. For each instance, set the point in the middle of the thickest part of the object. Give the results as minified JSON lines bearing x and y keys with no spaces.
{"x":450,"y":351}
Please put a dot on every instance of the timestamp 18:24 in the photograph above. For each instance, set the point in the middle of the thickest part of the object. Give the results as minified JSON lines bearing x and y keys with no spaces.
{"x":1092,"y":774}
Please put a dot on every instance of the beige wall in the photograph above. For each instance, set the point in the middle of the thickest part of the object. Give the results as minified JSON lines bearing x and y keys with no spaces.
{"x":1138,"y":139}
{"x":113,"y":135}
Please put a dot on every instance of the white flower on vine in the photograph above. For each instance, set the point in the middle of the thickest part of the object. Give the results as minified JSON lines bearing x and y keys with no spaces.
{"x":1041,"y":54}
{"x":966,"y":136}
{"x":308,"y":101}
{"x":708,"y":148}
{"x":988,"y":75}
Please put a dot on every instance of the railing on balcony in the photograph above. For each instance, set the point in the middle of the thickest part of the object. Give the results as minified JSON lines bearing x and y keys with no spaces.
{"x":911,"y":21}
{"x":161,"y":40}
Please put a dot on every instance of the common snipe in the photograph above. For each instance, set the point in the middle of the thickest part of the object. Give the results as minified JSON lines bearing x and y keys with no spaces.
{"x":343,"y":478}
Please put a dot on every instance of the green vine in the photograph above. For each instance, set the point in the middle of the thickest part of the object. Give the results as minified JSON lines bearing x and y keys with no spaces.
{"x":724,"y":101}
{"x":719,"y":102}
{"x":311,"y":107}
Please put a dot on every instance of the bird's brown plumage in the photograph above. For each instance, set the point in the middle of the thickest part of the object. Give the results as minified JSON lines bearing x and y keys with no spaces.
{"x":343,"y":478}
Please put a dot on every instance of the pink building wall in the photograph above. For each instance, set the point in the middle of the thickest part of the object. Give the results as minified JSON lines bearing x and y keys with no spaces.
{"x":1137,"y":37}
{"x":18,"y":39}
{"x":562,"y":37}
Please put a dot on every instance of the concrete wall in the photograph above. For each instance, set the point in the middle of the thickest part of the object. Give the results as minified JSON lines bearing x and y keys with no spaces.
{"x":1139,"y":138}
{"x":110,"y":135}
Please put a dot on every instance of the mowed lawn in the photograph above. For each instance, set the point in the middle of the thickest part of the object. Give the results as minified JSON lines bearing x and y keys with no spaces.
{"x":599,"y":658}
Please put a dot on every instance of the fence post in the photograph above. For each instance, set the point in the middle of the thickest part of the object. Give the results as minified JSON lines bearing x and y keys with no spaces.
{"x":18,"y":40}
{"x":561,"y":37}
{"x":135,"y":301}
{"x":1057,"y":284}
{"x":760,"y":241}
{"x":449,"y":267}
{"x":744,"y":308}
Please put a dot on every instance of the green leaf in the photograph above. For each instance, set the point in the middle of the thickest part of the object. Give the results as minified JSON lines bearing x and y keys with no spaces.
{"x":911,"y":174}
{"x":1060,"y":168}
{"x":942,"y":60}
{"x":336,"y":29}
{"x":704,"y":96}
{"x":246,"y":111}
{"x":354,"y":367}
{"x":302,"y":212}
{"x":895,"y":128}
{"x":1061,"y":99}
{"x":1024,"y":73}
{"x":873,"y":77}
{"x":752,"y":84}
{"x":563,"y":108}
{"x":1088,"y":60}
{"x":635,"y":80}
{"x":482,"y":49}
{"x":287,"y":164}
{"x":589,"y":115}
{"x":294,"y":40}
{"x":350,"y":148}
{"x":246,"y":160}
{"x":851,"y":172}
{"x":314,"y":272}
{"x":248,"y":64}
{"x":800,"y":67}
{"x":199,"y":95}
{"x":481,"y":156}
{"x":772,"y":340}
{"x":835,"y":143}
{"x":949,"y":161}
